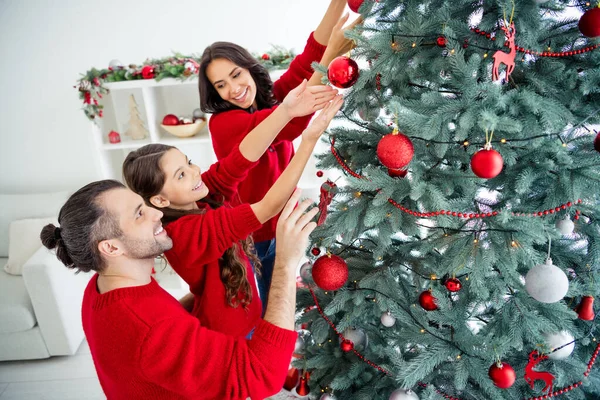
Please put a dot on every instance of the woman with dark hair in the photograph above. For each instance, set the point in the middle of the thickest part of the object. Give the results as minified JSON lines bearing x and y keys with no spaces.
{"x":240,"y":94}
{"x":212,"y":247}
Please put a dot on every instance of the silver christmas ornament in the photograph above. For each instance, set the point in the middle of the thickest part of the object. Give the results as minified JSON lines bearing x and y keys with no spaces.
{"x":559,"y":339}
{"x":299,"y":346}
{"x":115,"y":64}
{"x":328,"y":396}
{"x":451,"y":126}
{"x":306,"y":271}
{"x":546,"y":282}
{"x":387,"y":319}
{"x":197,"y":113}
{"x":402,"y":394}
{"x":356,"y":336}
{"x":565,"y":226}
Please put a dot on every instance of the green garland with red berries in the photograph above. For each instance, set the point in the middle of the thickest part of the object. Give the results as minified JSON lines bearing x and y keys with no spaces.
{"x":91,"y":84}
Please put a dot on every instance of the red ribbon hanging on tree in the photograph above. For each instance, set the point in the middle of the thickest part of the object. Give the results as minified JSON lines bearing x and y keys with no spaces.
{"x":328,"y":190}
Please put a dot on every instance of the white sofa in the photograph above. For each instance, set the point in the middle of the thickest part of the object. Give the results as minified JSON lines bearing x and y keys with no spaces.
{"x":40,"y":311}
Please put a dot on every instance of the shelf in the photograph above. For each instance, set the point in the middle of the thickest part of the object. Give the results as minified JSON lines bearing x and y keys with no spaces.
{"x":148,"y":83}
{"x":135,"y":144}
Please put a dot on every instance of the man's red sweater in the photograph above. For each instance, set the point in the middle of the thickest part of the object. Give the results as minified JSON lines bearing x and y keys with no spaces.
{"x":199,"y":241}
{"x":146,"y":346}
{"x":229,"y":128}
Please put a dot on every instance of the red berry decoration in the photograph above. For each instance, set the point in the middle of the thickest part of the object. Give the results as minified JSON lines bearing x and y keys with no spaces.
{"x":395,"y":150}
{"x":487,"y":163}
{"x":502,"y":374}
{"x":347,"y":345}
{"x":441,"y":41}
{"x":427,"y":301}
{"x":330,"y":272}
{"x":315,"y":251}
{"x":320,"y":174}
{"x":453,"y":284}
{"x":397,"y":173}
{"x":148,"y":72}
{"x":170,"y":119}
{"x":343,"y":72}
{"x":266,"y":57}
{"x":589,"y":24}
{"x":597,"y":142}
{"x":355,"y":4}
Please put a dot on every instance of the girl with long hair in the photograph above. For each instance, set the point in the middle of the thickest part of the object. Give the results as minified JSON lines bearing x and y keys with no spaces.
{"x":239,"y":93}
{"x":212,"y":244}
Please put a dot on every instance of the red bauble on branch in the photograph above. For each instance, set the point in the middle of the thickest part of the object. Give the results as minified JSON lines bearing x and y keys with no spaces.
{"x":597,"y":142}
{"x":397,"y":173}
{"x":589,"y":24}
{"x":487,"y":163}
{"x":355,"y":4}
{"x":347,"y":345}
{"x":427,"y":301}
{"x":395,"y":151}
{"x":148,"y":72}
{"x":453,"y":285}
{"x":342,"y":72}
{"x":502,"y":374}
{"x":330,"y":272}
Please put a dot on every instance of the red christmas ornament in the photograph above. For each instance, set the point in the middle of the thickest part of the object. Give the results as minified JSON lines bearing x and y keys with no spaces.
{"x":585,"y":309}
{"x":315,"y":251}
{"x":347,"y":345}
{"x":441,"y":41}
{"x":487,"y":163}
{"x":427,"y":301}
{"x":266,"y":57}
{"x":531,"y":375}
{"x":342,"y":72}
{"x":597,"y":142}
{"x":291,"y":380}
{"x":453,"y":284}
{"x":395,"y":150}
{"x":148,"y":72}
{"x":397,"y":173}
{"x":114,"y":137}
{"x":501,"y":57}
{"x":319,"y":174}
{"x":330,"y":272}
{"x":327,"y":192}
{"x":170,"y":119}
{"x":302,"y":389}
{"x":355,"y":4}
{"x":589,"y":24}
{"x":502,"y":374}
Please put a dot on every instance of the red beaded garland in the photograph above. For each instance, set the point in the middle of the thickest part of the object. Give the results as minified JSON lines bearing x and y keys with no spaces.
{"x":319,"y":174}
{"x":315,"y":251}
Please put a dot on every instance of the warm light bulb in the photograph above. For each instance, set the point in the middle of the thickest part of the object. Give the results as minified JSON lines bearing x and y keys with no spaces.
{"x":433,"y":277}
{"x":452,"y":51}
{"x":513,"y":243}
{"x":465,"y":143}
{"x":475,"y":241}
{"x":458,"y":357}
{"x":414,"y":45}
{"x":502,"y":140}
{"x":422,"y":330}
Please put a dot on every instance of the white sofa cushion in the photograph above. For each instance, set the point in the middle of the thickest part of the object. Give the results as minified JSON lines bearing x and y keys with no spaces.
{"x":24,"y":240}
{"x":21,"y":206}
{"x":16,"y":309}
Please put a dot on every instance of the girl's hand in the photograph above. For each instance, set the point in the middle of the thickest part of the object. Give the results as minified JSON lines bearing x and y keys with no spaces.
{"x":318,"y":125}
{"x":305,"y":100}
{"x":338,"y":43}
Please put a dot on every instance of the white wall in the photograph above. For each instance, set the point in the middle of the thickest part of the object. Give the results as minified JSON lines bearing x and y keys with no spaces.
{"x":45,"y":139}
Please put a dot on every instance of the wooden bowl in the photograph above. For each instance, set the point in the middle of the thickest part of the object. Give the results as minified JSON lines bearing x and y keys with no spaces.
{"x":185,"y":130}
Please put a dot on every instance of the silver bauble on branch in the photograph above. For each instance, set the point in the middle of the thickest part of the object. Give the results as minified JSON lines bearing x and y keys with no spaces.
{"x":356,"y":336}
{"x":558,"y":339}
{"x":546,"y":282}
{"x":402,"y":394}
{"x":306,"y":271}
{"x":299,"y":346}
{"x":328,"y":396}
{"x":565,"y":226}
{"x":387,"y":319}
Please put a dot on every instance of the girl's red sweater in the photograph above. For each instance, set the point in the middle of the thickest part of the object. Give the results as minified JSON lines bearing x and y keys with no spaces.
{"x":229,"y":128}
{"x":199,"y":241}
{"x":146,"y":346}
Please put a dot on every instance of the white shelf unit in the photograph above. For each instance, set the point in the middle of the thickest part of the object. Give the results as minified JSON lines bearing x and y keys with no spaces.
{"x":154,"y":100}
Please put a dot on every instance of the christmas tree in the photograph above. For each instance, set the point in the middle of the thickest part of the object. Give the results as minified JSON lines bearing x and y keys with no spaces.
{"x":136,"y":126}
{"x":459,"y":257}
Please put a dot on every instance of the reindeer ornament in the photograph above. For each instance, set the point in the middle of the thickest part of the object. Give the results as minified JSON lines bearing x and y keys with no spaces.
{"x":531,"y":375}
{"x":501,"y":57}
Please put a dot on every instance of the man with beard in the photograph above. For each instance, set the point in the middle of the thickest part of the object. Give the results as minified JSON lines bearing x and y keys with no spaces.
{"x":143,"y":343}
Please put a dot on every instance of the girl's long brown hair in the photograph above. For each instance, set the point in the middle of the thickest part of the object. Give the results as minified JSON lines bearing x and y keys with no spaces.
{"x":143,"y":175}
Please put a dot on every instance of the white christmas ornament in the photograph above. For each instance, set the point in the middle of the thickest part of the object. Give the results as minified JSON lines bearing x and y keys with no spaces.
{"x":402,"y":394}
{"x":115,"y":64}
{"x":387,"y":319}
{"x":565,"y":226}
{"x":546,"y":282}
{"x":328,"y":396}
{"x":451,"y":126}
{"x":556,"y":340}
{"x":356,"y":336}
